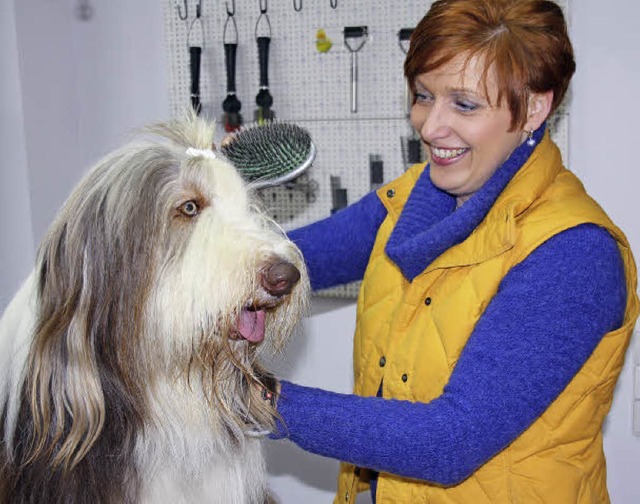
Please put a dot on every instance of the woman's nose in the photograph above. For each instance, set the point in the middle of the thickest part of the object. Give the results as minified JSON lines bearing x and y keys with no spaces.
{"x":431,"y":121}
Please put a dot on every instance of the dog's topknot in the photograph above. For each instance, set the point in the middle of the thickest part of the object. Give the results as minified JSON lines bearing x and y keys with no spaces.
{"x":188,"y":130}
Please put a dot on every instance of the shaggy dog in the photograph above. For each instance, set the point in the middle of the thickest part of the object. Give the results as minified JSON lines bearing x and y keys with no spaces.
{"x":130,"y":360}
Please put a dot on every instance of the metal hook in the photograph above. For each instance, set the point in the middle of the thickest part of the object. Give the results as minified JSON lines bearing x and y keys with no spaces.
{"x":231,"y":12}
{"x":186,"y":10}
{"x":333,"y":3}
{"x":196,"y":19}
{"x":295,"y":7}
{"x":263,"y":14}
{"x":266,"y":17}
{"x":191,"y":29}
{"x":235,"y":29}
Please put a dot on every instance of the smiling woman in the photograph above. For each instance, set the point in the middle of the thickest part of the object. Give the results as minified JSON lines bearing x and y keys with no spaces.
{"x":524,"y":43}
{"x":497,"y":297}
{"x":483,"y":81}
{"x":464,"y":124}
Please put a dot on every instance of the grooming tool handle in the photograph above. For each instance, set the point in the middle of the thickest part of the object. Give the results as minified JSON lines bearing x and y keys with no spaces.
{"x":263,"y":58}
{"x":354,"y":32}
{"x":231,"y":104}
{"x":354,"y":82}
{"x":264,"y":100}
{"x":230,"y":51}
{"x":195,"y":54}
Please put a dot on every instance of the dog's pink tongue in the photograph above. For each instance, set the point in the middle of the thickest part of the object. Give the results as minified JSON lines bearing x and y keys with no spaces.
{"x":251,"y":325}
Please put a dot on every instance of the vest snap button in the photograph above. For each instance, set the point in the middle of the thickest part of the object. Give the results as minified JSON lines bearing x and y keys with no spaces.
{"x":383,"y":361}
{"x":427,"y":301}
{"x":404,"y":378}
{"x":391,"y":193}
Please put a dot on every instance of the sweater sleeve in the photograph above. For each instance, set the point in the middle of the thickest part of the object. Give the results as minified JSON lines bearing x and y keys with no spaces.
{"x":539,"y":329}
{"x":337,"y":249}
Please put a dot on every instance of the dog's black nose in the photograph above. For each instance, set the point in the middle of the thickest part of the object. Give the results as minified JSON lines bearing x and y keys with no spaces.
{"x":279,"y":278}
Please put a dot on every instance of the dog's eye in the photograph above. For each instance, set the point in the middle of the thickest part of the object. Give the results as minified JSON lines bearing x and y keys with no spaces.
{"x":189,"y":208}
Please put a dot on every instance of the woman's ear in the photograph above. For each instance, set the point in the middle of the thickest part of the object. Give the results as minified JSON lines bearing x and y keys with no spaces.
{"x":538,"y":110}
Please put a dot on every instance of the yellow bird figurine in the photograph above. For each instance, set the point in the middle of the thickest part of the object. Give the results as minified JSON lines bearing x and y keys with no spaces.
{"x":323,"y":43}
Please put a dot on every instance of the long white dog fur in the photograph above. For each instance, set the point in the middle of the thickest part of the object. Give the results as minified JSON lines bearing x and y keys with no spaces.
{"x":131,"y":358}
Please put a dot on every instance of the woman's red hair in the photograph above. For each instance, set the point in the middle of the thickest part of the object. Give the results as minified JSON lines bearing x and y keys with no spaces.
{"x":524,"y":41}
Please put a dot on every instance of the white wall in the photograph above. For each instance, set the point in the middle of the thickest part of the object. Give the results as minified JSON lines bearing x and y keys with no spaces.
{"x":16,"y":237}
{"x":48,"y":85}
{"x":85,"y":86}
{"x":604,"y":134}
{"x":70,"y":91}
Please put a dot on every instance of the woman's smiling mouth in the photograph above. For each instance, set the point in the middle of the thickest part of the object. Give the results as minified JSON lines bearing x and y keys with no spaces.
{"x":444,"y":156}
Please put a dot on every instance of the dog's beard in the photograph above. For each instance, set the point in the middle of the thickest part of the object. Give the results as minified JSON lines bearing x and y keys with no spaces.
{"x":201,"y":343}
{"x":227,"y":371}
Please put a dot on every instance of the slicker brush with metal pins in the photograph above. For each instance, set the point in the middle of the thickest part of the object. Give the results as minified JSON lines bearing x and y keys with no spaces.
{"x":271,"y":153}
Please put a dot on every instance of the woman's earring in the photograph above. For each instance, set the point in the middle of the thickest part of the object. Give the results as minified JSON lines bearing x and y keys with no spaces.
{"x":530,"y":141}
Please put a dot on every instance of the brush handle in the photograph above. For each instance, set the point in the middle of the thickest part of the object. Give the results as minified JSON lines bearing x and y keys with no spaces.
{"x":195,"y":54}
{"x":354,"y":81}
{"x":230,"y":51}
{"x":264,"y":99}
{"x":355,"y":32}
{"x":263,"y":58}
{"x":231,"y":104}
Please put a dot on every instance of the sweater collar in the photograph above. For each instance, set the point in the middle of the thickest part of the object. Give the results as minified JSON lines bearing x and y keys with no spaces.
{"x":430,"y":224}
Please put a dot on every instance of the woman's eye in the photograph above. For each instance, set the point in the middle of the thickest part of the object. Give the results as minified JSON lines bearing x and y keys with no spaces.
{"x":190,"y":208}
{"x":422,"y":97}
{"x":465,"y":106}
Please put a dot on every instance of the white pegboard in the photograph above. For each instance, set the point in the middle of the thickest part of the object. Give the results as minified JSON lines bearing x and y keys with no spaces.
{"x":313,"y":89}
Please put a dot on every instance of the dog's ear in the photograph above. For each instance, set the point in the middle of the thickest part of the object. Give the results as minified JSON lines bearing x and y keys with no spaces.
{"x":84,"y":360}
{"x":63,"y":384}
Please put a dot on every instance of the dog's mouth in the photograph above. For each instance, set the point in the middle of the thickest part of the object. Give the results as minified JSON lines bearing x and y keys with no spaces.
{"x":250,"y":324}
{"x":276,"y":281}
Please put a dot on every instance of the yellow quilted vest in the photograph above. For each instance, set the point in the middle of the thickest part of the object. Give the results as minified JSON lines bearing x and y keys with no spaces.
{"x":559,"y":459}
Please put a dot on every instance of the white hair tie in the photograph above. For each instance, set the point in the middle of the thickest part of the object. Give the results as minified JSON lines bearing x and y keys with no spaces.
{"x":208,"y":153}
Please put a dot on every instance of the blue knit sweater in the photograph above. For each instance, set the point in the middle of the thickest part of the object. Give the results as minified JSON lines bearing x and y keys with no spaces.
{"x":547,"y":317}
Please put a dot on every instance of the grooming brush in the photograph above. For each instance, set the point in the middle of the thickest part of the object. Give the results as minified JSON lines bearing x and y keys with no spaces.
{"x":350,"y":33}
{"x":264,"y":100}
{"x":338,"y":194}
{"x":376,"y":171}
{"x":411,"y":145}
{"x":270,"y":153}
{"x":195,"y":55}
{"x":231,"y":105}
